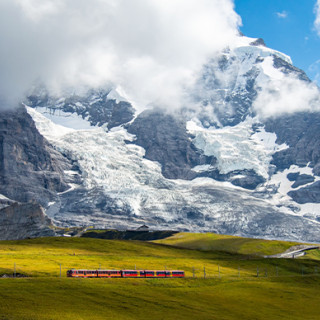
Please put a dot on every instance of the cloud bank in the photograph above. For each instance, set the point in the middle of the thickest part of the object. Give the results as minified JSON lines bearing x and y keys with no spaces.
{"x":150,"y":48}
{"x":286,"y":95}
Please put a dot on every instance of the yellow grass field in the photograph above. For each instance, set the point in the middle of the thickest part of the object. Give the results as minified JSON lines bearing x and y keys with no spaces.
{"x":238,"y":282}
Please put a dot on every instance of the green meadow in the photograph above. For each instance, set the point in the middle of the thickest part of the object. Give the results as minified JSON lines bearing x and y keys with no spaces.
{"x":226,"y":278}
{"x":225,"y":243}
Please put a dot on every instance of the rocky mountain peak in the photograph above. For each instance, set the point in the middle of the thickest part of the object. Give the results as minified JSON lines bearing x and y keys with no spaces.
{"x":213,"y":165}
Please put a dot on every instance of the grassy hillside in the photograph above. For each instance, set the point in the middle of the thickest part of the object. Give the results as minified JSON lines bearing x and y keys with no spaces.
{"x":70,"y":299}
{"x":237,"y":293}
{"x":232,"y":244}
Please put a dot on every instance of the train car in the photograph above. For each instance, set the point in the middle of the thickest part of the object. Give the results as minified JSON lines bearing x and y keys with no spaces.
{"x":149,"y":273}
{"x":133,"y":273}
{"x":84,"y":273}
{"x":177,"y":274}
{"x":161,"y":273}
{"x":109,"y":274}
{"x":169,"y":274}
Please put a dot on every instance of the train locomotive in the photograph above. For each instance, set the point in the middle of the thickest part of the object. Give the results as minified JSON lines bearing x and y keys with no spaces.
{"x":84,"y":273}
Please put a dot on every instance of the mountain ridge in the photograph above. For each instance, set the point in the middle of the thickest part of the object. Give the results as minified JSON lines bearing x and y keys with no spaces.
{"x":214,"y":165}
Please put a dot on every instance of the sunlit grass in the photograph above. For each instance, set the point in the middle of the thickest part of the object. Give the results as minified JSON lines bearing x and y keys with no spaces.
{"x":43,"y":257}
{"x":238,"y":283}
{"x":214,"y":242}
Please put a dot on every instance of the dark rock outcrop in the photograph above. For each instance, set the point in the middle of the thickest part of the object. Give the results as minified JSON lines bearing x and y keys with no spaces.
{"x":258,"y":42}
{"x":288,"y":68}
{"x":309,"y":194}
{"x":299,"y":179}
{"x":28,"y":220}
{"x":300,"y":131}
{"x":247,"y":179}
{"x":165,"y":139}
{"x":293,"y":176}
{"x":30,"y":169}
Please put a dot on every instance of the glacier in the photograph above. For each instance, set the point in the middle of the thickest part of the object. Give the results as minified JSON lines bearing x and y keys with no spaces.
{"x":121,"y":188}
{"x":139,"y":193}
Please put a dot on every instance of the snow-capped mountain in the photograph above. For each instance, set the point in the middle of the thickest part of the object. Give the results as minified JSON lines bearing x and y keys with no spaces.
{"x":220,"y":163}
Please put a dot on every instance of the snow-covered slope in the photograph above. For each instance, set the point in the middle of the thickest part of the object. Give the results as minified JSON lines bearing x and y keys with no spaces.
{"x":237,"y":148}
{"x":245,"y":175}
{"x":122,"y":189}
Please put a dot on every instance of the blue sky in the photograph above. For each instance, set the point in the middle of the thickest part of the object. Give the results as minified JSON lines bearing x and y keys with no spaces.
{"x":287,"y":26}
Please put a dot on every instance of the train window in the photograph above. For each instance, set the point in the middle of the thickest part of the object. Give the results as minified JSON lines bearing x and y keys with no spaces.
{"x":178,"y":273}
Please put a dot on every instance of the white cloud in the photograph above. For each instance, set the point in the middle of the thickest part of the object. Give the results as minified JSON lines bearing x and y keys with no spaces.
{"x":149,"y":47}
{"x":287,"y":94}
{"x":317,"y":20}
{"x":282,"y":15}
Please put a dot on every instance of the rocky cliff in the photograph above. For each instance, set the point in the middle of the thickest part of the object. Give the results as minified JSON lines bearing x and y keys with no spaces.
{"x":30,"y":168}
{"x":20,"y":221}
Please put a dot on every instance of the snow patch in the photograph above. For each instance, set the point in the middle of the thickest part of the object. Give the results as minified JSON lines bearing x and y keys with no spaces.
{"x":310,"y":209}
{"x":281,"y":180}
{"x":237,"y":147}
{"x":243,"y":44}
{"x":268,"y":140}
{"x":64,"y":119}
{"x":202,"y":168}
{"x":46,"y":126}
{"x":117,"y":94}
{"x":2,"y":197}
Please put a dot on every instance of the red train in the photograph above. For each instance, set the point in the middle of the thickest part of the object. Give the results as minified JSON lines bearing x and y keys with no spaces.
{"x":83,"y":273}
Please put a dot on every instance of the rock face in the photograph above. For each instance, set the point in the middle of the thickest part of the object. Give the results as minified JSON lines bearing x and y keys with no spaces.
{"x":288,"y":68}
{"x":300,"y":179}
{"x":97,"y":106}
{"x":301,"y":133}
{"x":165,"y":140}
{"x":246,"y":179}
{"x":30,"y":169}
{"x":309,"y":194}
{"x":20,"y":221}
